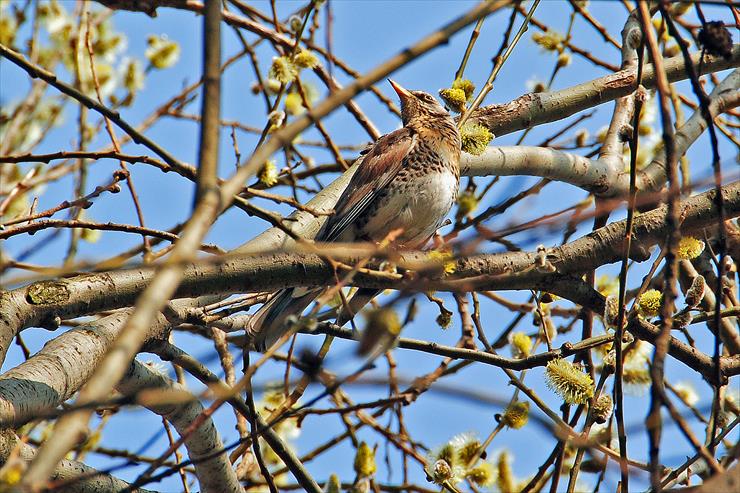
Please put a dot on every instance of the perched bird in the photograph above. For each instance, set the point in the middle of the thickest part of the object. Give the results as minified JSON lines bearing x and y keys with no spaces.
{"x":407,"y":180}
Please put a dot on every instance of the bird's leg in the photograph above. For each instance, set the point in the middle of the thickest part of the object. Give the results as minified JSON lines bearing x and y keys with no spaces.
{"x":350,"y":313}
{"x":364,"y":295}
{"x":438,"y":240}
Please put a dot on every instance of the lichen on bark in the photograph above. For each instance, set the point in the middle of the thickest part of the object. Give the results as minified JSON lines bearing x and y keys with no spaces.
{"x":47,"y":293}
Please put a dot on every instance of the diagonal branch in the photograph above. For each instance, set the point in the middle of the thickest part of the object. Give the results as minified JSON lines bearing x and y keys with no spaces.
{"x":215,"y":473}
{"x":38,"y":72}
{"x":531,"y":110}
{"x":604,"y":177}
{"x":70,"y":476}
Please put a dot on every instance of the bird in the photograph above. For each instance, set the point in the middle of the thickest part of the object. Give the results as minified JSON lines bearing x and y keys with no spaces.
{"x":407,"y":180}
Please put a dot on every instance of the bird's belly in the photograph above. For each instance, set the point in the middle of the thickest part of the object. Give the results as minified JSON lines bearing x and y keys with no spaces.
{"x":418,"y":207}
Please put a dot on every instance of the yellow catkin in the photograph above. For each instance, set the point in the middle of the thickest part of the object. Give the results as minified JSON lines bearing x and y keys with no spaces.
{"x":483,"y":475}
{"x":690,"y":248}
{"x":334,"y":485}
{"x":649,"y":302}
{"x":444,"y":258}
{"x":161,"y":52}
{"x":306,"y":59}
{"x":294,"y":104}
{"x":505,"y":478}
{"x":521,"y":345}
{"x":572,"y":384}
{"x":466,"y":86}
{"x":365,"y":460}
{"x":454,"y":99}
{"x":636,"y":375}
{"x":8,"y":28}
{"x":607,"y":285}
{"x":563,"y":60}
{"x":447,"y":453}
{"x":516,"y":415}
{"x":467,"y":202}
{"x":283,"y":69}
{"x":548,"y":40}
{"x":268,"y":175}
{"x":468,"y":448}
{"x":475,"y":138}
{"x":381,"y":330}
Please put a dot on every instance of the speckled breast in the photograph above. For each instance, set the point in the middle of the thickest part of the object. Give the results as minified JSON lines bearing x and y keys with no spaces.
{"x":416,"y":201}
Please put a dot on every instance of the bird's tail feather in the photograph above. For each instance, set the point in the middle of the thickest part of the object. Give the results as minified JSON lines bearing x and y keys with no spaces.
{"x":361,"y":298}
{"x":268,"y":323}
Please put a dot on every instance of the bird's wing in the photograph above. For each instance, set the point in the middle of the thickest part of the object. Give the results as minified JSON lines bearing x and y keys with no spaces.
{"x":378,"y":167}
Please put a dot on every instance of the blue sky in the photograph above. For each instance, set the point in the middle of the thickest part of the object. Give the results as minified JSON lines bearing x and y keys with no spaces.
{"x":365,"y":34}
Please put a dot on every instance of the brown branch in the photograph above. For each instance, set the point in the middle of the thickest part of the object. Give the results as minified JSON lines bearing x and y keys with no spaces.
{"x":60,"y":223}
{"x":82,"y":202}
{"x":654,"y":420}
{"x":531,"y":110}
{"x":210,"y":104}
{"x":462,"y":353}
{"x":264,"y":272}
{"x":185,"y":170}
{"x":688,"y":355}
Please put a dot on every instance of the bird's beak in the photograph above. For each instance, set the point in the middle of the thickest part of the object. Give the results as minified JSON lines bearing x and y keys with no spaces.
{"x":403,"y":93}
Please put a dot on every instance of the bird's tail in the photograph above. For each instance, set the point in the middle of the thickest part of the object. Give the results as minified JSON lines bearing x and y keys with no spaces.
{"x":361,"y":298}
{"x":267,"y":325}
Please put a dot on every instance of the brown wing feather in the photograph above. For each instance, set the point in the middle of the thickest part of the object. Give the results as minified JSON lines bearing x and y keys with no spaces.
{"x":378,"y":167}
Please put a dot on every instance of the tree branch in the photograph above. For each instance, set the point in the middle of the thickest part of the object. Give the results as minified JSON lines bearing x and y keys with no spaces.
{"x":37,"y":303}
{"x":531,"y":110}
{"x":37,"y":72}
{"x":70,"y":476}
{"x":211,"y":103}
{"x":215,"y":474}
{"x":605,"y":177}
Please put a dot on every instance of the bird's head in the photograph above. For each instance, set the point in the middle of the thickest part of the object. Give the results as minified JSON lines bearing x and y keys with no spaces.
{"x":418,"y":105}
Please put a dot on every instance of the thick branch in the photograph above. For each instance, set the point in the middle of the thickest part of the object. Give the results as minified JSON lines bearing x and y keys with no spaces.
{"x":91,"y":293}
{"x":690,"y":356}
{"x":604,"y":177}
{"x":60,"y":368}
{"x":70,"y":476}
{"x":531,"y":110}
{"x":215,"y":473}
